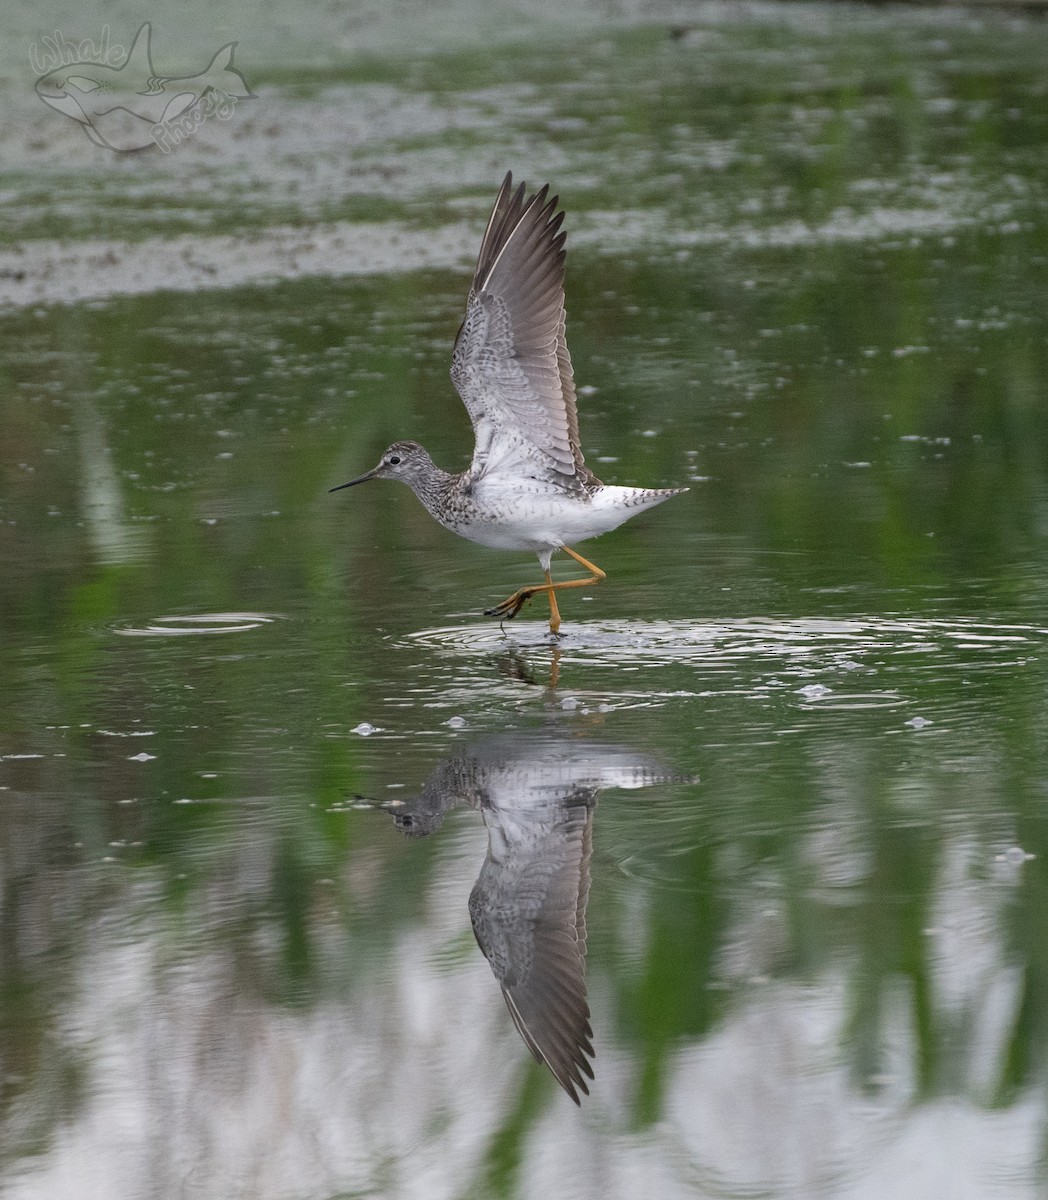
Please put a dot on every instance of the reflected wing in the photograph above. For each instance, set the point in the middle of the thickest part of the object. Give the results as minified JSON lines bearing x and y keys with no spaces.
{"x":511,"y":364}
{"x":528,"y":911}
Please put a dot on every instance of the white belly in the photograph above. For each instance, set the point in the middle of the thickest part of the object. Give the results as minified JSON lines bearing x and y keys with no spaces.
{"x":541,"y":521}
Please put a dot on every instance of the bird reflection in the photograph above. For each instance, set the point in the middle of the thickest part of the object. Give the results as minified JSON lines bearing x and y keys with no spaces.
{"x":537,"y":795}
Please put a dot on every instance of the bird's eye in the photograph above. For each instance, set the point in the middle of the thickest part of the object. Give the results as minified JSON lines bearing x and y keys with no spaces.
{"x":394,"y":460}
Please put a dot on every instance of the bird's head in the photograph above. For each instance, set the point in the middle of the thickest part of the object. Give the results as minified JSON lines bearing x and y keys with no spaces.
{"x":417,"y":824}
{"x":406,"y":461}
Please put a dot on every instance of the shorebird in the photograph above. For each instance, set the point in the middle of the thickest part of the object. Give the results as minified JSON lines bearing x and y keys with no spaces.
{"x":527,"y":487}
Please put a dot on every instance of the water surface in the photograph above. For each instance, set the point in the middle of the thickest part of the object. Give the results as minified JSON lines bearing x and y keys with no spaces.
{"x":794,"y":747}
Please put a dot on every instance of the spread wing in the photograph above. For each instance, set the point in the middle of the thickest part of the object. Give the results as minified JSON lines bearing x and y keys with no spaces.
{"x":511,"y":364}
{"x":528,"y":910}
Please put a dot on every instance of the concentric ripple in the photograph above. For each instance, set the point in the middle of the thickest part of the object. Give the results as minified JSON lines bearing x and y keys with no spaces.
{"x":196,"y":624}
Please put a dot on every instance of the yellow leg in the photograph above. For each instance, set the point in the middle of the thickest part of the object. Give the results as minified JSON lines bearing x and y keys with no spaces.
{"x":554,"y":668}
{"x":512,"y":605}
{"x":554,"y":611}
{"x":598,"y":575}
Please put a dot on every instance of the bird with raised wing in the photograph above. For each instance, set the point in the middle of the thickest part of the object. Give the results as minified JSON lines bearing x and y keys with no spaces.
{"x":527,"y":487}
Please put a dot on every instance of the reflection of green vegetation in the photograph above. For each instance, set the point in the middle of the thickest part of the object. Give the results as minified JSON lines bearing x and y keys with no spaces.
{"x":504,"y":1156}
{"x":673,"y":1001}
{"x":893,"y":955}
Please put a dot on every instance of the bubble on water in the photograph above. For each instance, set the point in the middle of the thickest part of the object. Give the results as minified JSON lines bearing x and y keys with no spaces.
{"x":918,"y":722}
{"x":142,"y":757}
{"x":813,"y":691}
{"x":1015,"y":856}
{"x":569,"y":702}
{"x":364,"y":729}
{"x":456,"y":722}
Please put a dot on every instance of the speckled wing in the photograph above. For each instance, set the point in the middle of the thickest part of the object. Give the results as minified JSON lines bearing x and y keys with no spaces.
{"x":528,"y":909}
{"x":511,"y":364}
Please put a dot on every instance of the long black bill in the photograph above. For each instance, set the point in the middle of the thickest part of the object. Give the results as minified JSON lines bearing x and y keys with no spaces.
{"x":359,"y":479}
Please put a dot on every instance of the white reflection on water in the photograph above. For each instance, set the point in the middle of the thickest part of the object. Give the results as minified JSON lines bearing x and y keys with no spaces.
{"x":398,"y":1081}
{"x":116,"y":539}
{"x":399,"y":1090}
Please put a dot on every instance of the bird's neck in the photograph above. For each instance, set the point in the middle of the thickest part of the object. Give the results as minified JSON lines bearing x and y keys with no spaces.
{"x":431,"y":484}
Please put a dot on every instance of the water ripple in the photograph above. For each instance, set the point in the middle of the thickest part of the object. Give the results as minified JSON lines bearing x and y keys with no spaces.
{"x":195,"y":624}
{"x":849,"y":643}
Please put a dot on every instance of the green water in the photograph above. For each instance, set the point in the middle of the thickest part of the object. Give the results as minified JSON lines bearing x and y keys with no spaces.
{"x":808,"y":274}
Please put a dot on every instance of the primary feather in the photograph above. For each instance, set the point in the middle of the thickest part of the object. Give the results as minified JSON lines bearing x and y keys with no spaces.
{"x":511,"y":364}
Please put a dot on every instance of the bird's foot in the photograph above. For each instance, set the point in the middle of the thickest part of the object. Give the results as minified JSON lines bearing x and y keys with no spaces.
{"x":512,"y":605}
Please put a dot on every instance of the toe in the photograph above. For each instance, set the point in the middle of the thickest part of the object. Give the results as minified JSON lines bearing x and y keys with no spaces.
{"x":512,"y":605}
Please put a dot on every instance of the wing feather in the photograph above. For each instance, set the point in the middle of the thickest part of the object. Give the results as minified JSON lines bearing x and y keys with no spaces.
{"x":511,"y":364}
{"x":528,"y":913}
